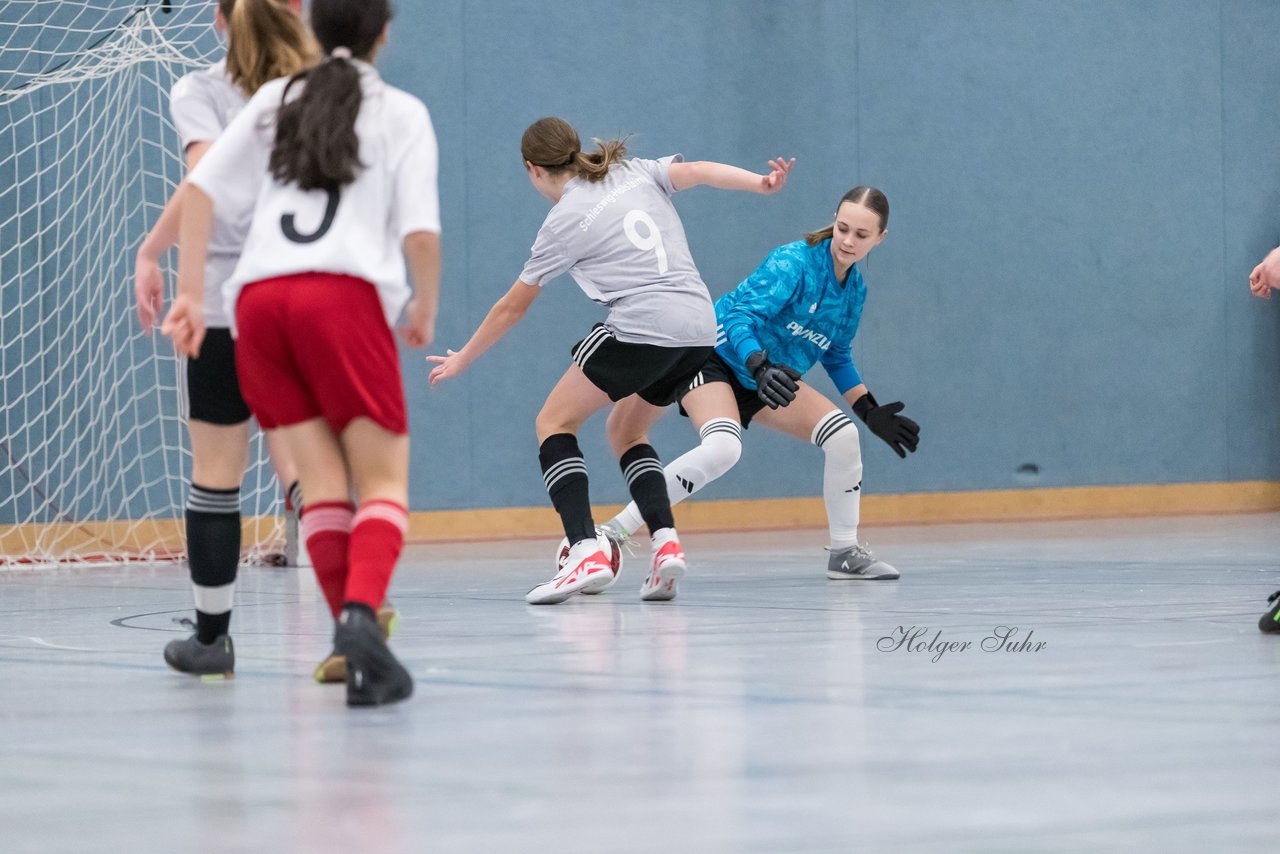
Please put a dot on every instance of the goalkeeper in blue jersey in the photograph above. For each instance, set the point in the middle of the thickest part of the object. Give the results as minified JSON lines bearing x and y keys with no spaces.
{"x":800,"y":307}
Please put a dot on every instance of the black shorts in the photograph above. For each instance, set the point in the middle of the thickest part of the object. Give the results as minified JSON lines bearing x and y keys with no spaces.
{"x":213,"y":389}
{"x":716,"y":371}
{"x":620,"y":369}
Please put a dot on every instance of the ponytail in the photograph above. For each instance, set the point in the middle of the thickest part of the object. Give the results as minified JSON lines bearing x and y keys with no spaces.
{"x":595,"y":166}
{"x":316,"y":145}
{"x":266,"y":40}
{"x":553,"y":144}
{"x":869,"y":197}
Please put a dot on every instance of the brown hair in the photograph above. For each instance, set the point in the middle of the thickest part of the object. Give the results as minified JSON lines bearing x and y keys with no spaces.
{"x":316,"y":144}
{"x":266,"y":39}
{"x":553,"y":144}
{"x":869,"y":197}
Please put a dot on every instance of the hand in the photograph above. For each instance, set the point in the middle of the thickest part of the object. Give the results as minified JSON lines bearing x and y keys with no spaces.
{"x":776,"y":179}
{"x":419,"y":328}
{"x":1266,"y":275}
{"x":148,"y":288}
{"x":775,"y":384}
{"x":900,"y":432}
{"x":184,"y":324}
{"x":449,"y":365}
{"x":1258,"y":284}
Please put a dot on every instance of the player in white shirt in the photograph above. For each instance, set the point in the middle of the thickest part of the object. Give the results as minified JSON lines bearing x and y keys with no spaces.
{"x":613,"y":227}
{"x":265,"y":39}
{"x":341,"y":182}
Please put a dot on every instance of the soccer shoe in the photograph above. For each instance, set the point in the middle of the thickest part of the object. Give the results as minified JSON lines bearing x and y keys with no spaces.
{"x":374,"y":676}
{"x":334,"y":668}
{"x":1270,"y":621}
{"x":585,"y":565}
{"x":665,"y":571}
{"x":615,"y":543}
{"x":857,"y":563}
{"x":213,"y":661}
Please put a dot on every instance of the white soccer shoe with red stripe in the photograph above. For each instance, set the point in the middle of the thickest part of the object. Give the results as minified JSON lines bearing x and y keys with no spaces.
{"x":586,"y":565}
{"x":665,"y":572}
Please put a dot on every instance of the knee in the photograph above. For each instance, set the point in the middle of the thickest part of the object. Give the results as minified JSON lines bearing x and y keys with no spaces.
{"x":549,"y":424}
{"x":837,"y":436}
{"x":722,"y":445}
{"x":623,"y":441}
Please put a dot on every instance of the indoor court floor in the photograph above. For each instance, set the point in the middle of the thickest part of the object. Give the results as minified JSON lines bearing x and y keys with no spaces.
{"x":767,"y":709}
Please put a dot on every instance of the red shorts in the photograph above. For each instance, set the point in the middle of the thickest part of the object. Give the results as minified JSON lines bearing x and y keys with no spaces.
{"x":317,"y":344}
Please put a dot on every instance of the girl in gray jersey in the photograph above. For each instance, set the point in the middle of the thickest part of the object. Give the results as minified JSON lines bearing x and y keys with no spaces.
{"x":612,"y":227}
{"x":266,"y":39}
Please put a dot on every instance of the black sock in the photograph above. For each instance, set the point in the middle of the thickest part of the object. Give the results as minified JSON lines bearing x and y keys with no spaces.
{"x":643,"y":471}
{"x":213,"y":553}
{"x":565,"y":473}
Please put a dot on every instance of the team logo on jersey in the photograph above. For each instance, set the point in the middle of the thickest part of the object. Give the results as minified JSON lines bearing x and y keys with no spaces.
{"x":816,"y":337}
{"x":813,"y":308}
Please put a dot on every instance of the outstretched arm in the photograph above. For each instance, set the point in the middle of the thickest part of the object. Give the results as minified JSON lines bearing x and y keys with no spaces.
{"x":504,"y":315}
{"x":722,"y":176}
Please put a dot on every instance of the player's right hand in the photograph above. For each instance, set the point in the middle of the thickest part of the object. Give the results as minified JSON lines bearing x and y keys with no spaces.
{"x":184,"y":324}
{"x":449,"y":365}
{"x":148,"y":288}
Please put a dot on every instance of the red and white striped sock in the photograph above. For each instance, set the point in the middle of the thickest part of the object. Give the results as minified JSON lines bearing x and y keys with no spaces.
{"x":377,"y":536}
{"x":326,"y":526}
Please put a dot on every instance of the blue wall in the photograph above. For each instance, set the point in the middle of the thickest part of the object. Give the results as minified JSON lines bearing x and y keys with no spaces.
{"x":1079,"y":191}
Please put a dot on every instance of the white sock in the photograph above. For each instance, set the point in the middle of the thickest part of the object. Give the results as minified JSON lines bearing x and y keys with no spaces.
{"x":662,"y":536}
{"x":837,"y":436}
{"x":720,"y":449}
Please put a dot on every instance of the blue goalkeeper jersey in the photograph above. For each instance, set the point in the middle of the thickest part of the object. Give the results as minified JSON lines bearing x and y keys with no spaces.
{"x":794,"y":307}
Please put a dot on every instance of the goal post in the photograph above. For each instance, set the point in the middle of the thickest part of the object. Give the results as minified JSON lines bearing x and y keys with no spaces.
{"x":93,"y":453}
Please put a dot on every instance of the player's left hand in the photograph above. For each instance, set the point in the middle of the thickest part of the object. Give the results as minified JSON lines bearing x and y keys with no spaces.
{"x":419,"y":327}
{"x":777,"y":178}
{"x":184,"y":324}
{"x":451,"y":364}
{"x":898,"y":431}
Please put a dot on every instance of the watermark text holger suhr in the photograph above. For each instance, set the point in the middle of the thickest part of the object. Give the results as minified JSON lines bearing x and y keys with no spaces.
{"x":920,"y":639}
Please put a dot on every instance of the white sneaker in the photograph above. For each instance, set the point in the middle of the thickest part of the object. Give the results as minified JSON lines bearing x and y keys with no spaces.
{"x":665,"y":572}
{"x":611,"y":544}
{"x":586,"y":564}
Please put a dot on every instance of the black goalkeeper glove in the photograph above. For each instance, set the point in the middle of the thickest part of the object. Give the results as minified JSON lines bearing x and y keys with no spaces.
{"x":901,"y":433}
{"x":775,"y":384}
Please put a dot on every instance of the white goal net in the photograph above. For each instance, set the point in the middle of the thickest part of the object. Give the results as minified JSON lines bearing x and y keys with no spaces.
{"x":92,"y":442}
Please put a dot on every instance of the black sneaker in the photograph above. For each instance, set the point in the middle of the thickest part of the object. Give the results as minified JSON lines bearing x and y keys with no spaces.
{"x":1270,"y":621}
{"x":213,"y":661}
{"x":334,"y":667}
{"x":374,"y":676}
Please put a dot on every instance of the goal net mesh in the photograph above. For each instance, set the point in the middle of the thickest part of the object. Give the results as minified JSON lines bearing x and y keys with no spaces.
{"x":92,"y":437}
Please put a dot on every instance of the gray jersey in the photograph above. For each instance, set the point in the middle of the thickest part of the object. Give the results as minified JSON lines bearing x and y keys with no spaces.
{"x":202,"y":104}
{"x":622,"y":241}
